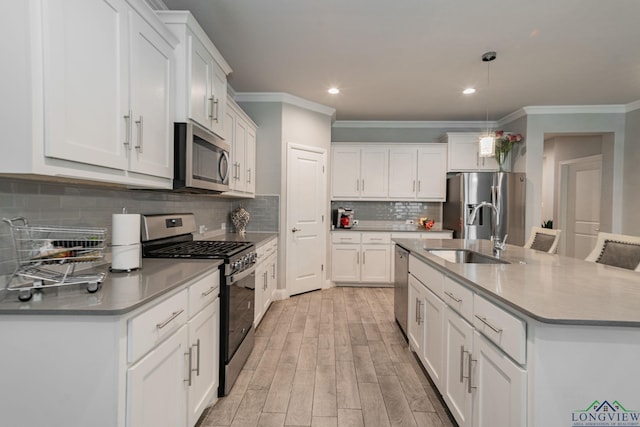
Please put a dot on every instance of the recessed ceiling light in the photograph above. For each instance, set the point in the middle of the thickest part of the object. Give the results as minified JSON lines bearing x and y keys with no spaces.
{"x":469,"y":91}
{"x":334,"y":91}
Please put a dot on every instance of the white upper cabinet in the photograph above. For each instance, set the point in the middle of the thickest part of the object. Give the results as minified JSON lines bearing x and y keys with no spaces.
{"x":360,"y":172}
{"x":389,"y":172}
{"x":418,"y":172}
{"x":240,"y":133}
{"x":463,"y":153}
{"x":101,"y":77}
{"x":202,"y":73}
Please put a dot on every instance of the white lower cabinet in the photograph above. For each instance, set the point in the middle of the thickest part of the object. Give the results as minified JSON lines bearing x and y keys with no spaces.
{"x":498,"y":389}
{"x":415,"y":332}
{"x":266,"y":278}
{"x":156,"y":387}
{"x":174,"y":348}
{"x":204,"y":356}
{"x":458,"y":342}
{"x":360,"y":257}
{"x":470,"y":364}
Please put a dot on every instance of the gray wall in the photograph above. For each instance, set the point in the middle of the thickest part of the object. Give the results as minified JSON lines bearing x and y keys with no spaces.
{"x":631,"y":190}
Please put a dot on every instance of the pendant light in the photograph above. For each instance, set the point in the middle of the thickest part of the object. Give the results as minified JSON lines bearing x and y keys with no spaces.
{"x":487,"y":143}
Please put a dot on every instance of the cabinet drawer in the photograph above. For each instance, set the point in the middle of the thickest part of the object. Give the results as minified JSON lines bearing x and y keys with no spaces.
{"x":376,"y":238}
{"x":459,"y":297}
{"x":432,"y":278}
{"x":507,"y":331}
{"x":345,"y":237}
{"x":203,"y":292}
{"x":154,"y":325}
{"x":266,"y":249}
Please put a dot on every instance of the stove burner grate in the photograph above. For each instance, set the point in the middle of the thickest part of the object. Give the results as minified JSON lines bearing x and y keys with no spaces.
{"x":201,"y":248}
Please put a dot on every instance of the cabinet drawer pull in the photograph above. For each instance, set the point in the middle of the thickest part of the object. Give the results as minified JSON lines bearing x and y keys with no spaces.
{"x":208,"y":291}
{"x":486,"y":322}
{"x":173,"y":316}
{"x":453,"y":297}
{"x":216,"y":103}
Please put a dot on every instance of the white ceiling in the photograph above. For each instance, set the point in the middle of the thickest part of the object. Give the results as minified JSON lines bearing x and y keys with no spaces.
{"x":410,"y":59}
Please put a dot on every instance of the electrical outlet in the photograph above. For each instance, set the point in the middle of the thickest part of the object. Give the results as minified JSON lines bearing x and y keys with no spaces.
{"x":409,"y":221}
{"x":223,"y":226}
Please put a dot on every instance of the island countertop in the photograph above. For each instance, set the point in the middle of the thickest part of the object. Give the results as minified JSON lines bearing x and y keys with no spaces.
{"x":545,"y":287}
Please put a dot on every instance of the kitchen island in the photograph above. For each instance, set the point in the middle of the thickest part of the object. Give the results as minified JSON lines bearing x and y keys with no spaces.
{"x":532,"y":339}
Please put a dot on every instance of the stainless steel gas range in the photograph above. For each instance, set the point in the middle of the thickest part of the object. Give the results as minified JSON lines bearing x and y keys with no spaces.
{"x":170,"y":236}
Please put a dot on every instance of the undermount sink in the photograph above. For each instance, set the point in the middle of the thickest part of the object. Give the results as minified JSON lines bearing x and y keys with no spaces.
{"x":466,"y":256}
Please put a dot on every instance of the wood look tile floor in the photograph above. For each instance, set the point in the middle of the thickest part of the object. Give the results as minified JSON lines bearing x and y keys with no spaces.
{"x":330,"y":358}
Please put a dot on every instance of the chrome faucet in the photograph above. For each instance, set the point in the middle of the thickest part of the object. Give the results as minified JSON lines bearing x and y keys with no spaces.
{"x":499,"y":244}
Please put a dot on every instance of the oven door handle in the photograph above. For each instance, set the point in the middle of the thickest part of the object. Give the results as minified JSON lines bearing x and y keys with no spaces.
{"x":239,"y":276}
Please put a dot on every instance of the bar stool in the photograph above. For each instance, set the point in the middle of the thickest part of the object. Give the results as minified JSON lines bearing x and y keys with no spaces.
{"x":543,"y":239}
{"x":618,"y":250}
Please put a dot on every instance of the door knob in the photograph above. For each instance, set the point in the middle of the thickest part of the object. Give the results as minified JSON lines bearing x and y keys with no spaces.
{"x":296,"y":229}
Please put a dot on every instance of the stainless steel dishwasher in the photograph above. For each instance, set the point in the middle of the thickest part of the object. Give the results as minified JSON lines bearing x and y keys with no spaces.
{"x":401,"y":288}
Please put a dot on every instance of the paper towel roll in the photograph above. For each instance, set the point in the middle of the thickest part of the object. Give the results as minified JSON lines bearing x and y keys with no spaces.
{"x":125,"y":229}
{"x":127,"y":257}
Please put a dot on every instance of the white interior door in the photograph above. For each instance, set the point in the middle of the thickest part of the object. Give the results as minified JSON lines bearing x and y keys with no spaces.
{"x":582,"y":183}
{"x":306,"y":228}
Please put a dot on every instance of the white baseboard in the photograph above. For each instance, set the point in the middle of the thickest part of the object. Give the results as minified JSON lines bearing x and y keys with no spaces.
{"x":280,"y":294}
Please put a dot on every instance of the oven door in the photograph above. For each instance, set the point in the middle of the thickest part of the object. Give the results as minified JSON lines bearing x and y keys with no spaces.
{"x":241,"y":291}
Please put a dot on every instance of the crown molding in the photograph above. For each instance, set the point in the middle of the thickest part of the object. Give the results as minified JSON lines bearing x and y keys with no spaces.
{"x":284,"y":98}
{"x":391,"y":124}
{"x":575,"y":109}
{"x":512,"y":117}
{"x":633,"y":106}
{"x":157,"y":4}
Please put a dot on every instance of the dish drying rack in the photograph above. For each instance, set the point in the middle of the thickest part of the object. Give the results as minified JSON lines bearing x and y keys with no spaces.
{"x":49,"y":256}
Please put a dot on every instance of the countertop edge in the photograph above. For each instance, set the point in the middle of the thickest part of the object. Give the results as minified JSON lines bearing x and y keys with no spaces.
{"x":484,"y":292}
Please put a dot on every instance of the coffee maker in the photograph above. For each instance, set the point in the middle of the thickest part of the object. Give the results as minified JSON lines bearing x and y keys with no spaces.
{"x":343,"y":218}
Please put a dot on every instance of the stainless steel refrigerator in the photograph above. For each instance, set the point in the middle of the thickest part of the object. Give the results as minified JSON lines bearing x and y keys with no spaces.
{"x":506,"y":190}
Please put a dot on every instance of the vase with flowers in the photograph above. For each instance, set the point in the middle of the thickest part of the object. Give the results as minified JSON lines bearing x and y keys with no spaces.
{"x":504,"y":144}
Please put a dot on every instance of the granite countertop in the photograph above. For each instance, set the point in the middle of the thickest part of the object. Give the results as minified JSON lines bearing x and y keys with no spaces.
{"x":548,"y":288}
{"x":122,"y":292}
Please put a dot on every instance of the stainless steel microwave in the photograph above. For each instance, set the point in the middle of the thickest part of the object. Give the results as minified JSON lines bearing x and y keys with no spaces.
{"x":201,"y":160}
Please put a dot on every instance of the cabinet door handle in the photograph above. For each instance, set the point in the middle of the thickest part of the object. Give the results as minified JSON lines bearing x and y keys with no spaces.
{"x":486,"y":322}
{"x":127,"y":124}
{"x":266,"y":278}
{"x":357,"y":185}
{"x":197,"y":345}
{"x":215,"y":104}
{"x":249,"y":176}
{"x":418,"y":186}
{"x":208,"y":291}
{"x":469,"y":386}
{"x":453,"y":297}
{"x":190,"y":366}
{"x":169,"y":319}
{"x":414,"y":186}
{"x":140,"y":124}
{"x":210,"y":101}
{"x":364,"y":259}
{"x":363,"y":185}
{"x":462,"y":352}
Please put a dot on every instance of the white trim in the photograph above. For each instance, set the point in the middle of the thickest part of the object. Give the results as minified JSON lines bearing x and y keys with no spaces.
{"x":512,"y":117}
{"x":156,"y":4}
{"x":285,"y":98}
{"x":184,"y":17}
{"x":575,"y":109}
{"x":280,"y":294}
{"x":633,"y":106}
{"x":448,"y":124}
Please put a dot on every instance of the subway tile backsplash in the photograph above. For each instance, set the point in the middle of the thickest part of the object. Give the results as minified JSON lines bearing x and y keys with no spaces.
{"x":263,"y":211}
{"x":44,"y":203}
{"x":392,"y":211}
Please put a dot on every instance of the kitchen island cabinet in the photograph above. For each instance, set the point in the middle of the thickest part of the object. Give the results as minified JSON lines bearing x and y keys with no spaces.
{"x":100,"y":75}
{"x":521,"y":339}
{"x":122,"y":356}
